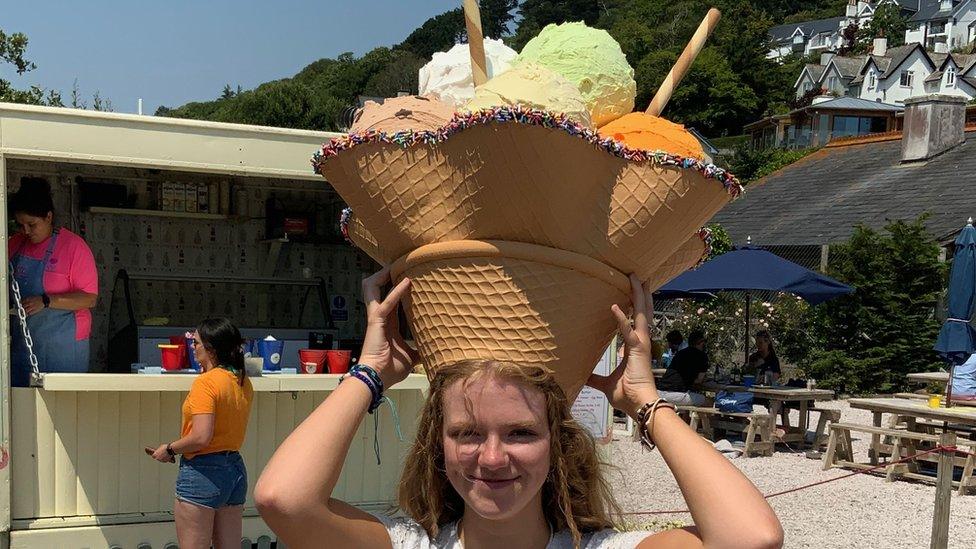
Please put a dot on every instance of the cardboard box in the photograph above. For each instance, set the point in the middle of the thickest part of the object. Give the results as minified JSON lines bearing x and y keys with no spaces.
{"x":179,"y":197}
{"x":166,"y":198}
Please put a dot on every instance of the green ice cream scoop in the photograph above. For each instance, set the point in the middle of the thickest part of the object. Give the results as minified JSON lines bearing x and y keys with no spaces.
{"x":593,"y":61}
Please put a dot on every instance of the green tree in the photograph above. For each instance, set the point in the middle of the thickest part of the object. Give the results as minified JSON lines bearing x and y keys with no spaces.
{"x":13,"y":48}
{"x":869,"y":340}
{"x":887,"y":22}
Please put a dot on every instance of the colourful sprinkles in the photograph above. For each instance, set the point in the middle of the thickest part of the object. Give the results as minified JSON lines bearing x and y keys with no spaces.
{"x":706,"y":235}
{"x":522,"y":115}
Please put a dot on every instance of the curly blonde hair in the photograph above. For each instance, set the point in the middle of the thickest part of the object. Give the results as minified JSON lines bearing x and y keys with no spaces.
{"x":575,"y":495}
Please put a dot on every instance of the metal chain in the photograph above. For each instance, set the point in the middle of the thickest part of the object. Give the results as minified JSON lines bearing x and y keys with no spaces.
{"x":22,"y":315}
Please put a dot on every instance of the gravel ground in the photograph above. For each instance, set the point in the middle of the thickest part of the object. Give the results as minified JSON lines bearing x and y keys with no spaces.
{"x":861,"y":511}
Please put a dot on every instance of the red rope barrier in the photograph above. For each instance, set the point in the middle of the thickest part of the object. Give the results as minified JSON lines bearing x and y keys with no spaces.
{"x":818,"y":483}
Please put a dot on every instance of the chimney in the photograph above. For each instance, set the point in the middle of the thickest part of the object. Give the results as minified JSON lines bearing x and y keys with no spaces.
{"x":826,"y":57}
{"x":851,"y":9}
{"x":933,"y":125}
{"x":880,"y":47}
{"x":945,"y":5}
{"x":941,"y":47}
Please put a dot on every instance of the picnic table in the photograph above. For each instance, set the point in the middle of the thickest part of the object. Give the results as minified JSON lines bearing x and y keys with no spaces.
{"x":912,"y":410}
{"x":929,"y":377}
{"x":778,"y":397}
{"x":922,"y":430}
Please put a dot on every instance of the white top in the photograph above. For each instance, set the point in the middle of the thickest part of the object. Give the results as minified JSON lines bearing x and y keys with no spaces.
{"x":408,"y":534}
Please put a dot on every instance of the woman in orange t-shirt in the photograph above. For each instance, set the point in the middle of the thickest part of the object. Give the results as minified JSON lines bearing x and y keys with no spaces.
{"x":212,"y":482}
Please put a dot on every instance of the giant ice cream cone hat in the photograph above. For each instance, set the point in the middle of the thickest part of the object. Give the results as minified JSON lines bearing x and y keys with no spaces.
{"x":518,"y":225}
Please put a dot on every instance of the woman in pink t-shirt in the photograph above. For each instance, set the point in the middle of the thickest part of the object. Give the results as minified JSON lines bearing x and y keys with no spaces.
{"x":58,"y":285}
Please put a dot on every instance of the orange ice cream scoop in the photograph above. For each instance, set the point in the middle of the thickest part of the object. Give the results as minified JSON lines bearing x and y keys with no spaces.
{"x":639,"y":130}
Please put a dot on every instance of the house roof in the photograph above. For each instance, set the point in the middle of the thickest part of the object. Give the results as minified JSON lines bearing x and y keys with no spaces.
{"x":816,"y":71}
{"x":782,"y":33}
{"x":820,"y":198}
{"x":934,"y":77}
{"x":932,"y":9}
{"x":848,"y":103}
{"x":849,"y":66}
{"x":898,"y":56}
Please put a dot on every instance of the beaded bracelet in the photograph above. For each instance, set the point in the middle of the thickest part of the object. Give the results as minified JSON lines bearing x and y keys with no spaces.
{"x":645,"y":420}
{"x":372,"y":380}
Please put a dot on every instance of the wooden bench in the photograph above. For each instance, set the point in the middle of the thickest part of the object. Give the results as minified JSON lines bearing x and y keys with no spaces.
{"x":757,"y":426}
{"x":912,"y":396}
{"x":905,"y":444}
{"x":820,"y":434}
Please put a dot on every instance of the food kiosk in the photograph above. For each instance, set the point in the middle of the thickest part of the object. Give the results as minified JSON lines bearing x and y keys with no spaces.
{"x":186,"y":219}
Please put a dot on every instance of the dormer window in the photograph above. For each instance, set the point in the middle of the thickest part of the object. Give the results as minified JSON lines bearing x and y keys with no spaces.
{"x":950,"y":77}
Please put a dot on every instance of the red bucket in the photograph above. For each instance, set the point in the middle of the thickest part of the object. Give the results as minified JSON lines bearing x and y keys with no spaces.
{"x":338,"y":361}
{"x":173,"y":356}
{"x":181,"y":340}
{"x":306,"y":357}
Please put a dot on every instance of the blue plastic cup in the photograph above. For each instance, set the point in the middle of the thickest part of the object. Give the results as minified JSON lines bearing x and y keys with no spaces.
{"x":748,"y":381}
{"x":271,"y":352}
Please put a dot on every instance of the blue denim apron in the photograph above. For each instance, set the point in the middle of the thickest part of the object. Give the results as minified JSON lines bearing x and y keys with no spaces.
{"x":52,"y":330}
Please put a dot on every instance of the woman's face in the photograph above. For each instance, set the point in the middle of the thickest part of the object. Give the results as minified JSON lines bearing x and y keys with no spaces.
{"x":762,"y":344}
{"x":36,"y":229}
{"x":496,"y":445}
{"x":203,"y":356}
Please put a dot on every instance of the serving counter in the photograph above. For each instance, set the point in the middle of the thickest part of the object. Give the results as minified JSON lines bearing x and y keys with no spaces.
{"x":78,"y":468}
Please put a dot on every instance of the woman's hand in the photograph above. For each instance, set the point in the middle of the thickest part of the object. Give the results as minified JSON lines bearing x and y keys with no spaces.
{"x":631,"y":384}
{"x":383,"y":346}
{"x":33,"y":304}
{"x":160,"y":454}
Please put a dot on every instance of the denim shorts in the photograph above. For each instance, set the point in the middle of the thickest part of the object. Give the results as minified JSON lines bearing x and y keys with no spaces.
{"x":212,"y":480}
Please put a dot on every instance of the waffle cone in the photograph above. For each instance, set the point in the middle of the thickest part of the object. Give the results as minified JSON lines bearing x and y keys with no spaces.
{"x":513,"y":302}
{"x":522,"y":183}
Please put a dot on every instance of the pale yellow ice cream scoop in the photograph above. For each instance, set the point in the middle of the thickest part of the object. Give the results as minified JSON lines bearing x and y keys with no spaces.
{"x":593,"y":61}
{"x":532,"y":86}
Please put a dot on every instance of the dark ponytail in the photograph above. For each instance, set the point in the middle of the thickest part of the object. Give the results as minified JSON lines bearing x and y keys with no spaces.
{"x":223,"y":339}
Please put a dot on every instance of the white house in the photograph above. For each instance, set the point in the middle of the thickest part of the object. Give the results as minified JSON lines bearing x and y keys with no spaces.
{"x":939,"y":25}
{"x":943,"y":25}
{"x":891,"y":75}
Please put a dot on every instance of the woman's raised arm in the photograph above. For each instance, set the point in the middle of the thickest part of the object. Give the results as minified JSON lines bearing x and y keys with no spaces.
{"x":294,"y":492}
{"x":727,"y":508}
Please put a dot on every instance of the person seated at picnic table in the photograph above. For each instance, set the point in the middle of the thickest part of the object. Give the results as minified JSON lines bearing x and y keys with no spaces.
{"x":764,"y":359}
{"x":964,"y":381}
{"x":676,"y":342}
{"x":687,"y":369}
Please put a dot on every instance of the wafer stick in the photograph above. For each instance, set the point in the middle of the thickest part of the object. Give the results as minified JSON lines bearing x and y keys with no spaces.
{"x":681,"y":66}
{"x":476,"y":42}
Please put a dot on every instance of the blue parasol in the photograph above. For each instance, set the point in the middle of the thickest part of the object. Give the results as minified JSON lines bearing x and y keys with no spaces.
{"x":957,"y":339}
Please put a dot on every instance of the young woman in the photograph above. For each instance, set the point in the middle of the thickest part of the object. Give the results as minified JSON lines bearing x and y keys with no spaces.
{"x":212,"y":483}
{"x":765,"y":359}
{"x":58,"y":283}
{"x":498,"y":460}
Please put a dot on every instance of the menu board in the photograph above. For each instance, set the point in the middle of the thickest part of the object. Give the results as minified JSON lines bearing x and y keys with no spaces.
{"x":592,"y":409}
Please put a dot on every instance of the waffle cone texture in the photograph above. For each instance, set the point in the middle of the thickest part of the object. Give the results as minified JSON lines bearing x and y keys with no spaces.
{"x":516,"y":236}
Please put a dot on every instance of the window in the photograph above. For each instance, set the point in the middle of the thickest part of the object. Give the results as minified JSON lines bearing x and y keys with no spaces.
{"x":832,"y":83}
{"x":857,"y":125}
{"x":872,"y":80}
{"x":950,"y":77}
{"x":907,"y":78}
{"x":807,"y":86}
{"x":937,"y":27}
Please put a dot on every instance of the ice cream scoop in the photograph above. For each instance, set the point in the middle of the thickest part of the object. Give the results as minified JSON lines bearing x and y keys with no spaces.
{"x":532,"y":86}
{"x":448,"y":74}
{"x":411,"y":112}
{"x":592,"y":60}
{"x":640,"y":130}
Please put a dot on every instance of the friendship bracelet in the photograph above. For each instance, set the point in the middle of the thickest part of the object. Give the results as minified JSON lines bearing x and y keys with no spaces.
{"x":645,"y":420}
{"x":372,"y":379}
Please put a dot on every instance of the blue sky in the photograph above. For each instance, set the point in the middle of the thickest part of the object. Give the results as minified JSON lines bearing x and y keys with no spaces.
{"x":175,"y":51}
